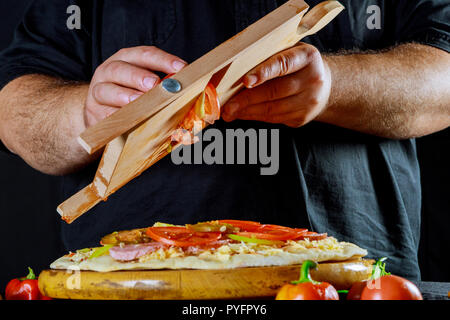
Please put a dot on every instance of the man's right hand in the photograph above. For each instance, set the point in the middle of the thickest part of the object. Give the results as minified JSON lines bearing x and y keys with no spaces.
{"x":124,"y":77}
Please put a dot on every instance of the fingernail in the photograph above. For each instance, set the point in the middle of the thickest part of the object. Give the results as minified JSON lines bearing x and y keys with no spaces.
{"x":125,"y":98}
{"x":134,"y":97}
{"x":251,"y":80}
{"x":178,"y":65}
{"x":149,"y":82}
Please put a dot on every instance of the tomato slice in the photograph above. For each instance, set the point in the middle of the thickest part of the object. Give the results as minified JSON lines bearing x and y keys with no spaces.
{"x":276,"y":232}
{"x":181,"y":236}
{"x":243,"y":225}
{"x":212,"y":104}
{"x":273,"y":232}
{"x":206,"y":109}
{"x":270,"y":232}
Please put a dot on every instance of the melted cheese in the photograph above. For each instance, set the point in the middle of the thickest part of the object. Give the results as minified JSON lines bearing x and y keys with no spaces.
{"x":225,"y":252}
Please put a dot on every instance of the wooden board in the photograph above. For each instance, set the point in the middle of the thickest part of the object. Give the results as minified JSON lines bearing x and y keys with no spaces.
{"x":257,"y":282}
{"x":137,"y":135}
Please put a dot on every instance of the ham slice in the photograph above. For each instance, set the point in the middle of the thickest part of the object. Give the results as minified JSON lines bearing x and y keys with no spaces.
{"x":134,"y":251}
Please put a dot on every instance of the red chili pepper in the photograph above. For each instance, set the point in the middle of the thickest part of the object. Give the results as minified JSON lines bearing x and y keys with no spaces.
{"x":24,"y":288}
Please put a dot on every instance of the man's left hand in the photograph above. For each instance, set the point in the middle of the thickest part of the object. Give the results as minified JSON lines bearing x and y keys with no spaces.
{"x":291,"y":88}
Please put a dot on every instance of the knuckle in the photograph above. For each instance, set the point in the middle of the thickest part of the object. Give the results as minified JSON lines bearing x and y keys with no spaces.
{"x":123,"y":51}
{"x":113,"y":67}
{"x":317,"y":80}
{"x":285,"y":63}
{"x":314,"y":54}
{"x":97,"y":76}
{"x":293,"y":86}
{"x":148,"y":51}
{"x":265,"y":72}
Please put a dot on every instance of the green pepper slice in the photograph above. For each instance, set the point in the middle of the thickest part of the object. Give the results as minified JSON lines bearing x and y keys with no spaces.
{"x":253,"y":240}
{"x":101,"y":251}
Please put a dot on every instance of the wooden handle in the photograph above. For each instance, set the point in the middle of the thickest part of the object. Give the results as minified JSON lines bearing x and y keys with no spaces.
{"x":78,"y":204}
{"x":318,"y":17}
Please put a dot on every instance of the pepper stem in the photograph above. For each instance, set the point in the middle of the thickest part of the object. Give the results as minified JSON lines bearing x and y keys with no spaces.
{"x":30,"y":276}
{"x":305,"y":276}
{"x":379,"y":269}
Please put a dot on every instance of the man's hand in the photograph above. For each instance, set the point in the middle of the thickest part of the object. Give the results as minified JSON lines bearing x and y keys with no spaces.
{"x":41,"y":116}
{"x":124,"y":77}
{"x":291,"y":87}
{"x":399,"y":93}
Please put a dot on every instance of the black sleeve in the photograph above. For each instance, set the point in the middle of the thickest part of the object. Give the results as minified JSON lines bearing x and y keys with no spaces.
{"x":44,"y":44}
{"x":423,"y":21}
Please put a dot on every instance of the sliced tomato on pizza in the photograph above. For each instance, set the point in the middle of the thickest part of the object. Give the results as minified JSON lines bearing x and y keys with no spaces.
{"x":182,"y":236}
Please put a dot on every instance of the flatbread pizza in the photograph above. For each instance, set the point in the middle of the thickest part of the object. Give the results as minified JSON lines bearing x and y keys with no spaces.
{"x":220,"y":244}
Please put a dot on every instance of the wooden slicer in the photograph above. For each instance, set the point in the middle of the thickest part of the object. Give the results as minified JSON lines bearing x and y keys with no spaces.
{"x":136,"y":135}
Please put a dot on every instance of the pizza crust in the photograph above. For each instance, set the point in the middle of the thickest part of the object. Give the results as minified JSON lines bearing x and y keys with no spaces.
{"x":106,"y":263}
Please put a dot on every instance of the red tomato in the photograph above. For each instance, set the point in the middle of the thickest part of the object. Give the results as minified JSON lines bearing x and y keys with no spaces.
{"x":269,"y":227}
{"x":280,"y":235}
{"x":308,"y":291}
{"x":243,"y":225}
{"x":270,"y":232}
{"x":356,"y":289}
{"x":212,"y":104}
{"x":181,"y":236}
{"x":388,"y":287}
{"x":256,"y":230}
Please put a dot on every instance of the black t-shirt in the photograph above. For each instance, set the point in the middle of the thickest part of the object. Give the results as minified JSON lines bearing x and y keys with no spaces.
{"x":353,"y":186}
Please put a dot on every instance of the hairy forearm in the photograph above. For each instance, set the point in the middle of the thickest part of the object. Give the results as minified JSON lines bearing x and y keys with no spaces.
{"x":401,"y":93}
{"x":40,"y":118}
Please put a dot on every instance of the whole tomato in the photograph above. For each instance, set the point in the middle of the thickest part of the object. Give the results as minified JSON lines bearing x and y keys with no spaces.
{"x":384,"y":286}
{"x":306,"y":288}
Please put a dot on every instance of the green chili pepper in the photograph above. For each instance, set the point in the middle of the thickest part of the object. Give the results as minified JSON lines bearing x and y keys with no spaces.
{"x":304,"y":272}
{"x":253,"y":240}
{"x":162,"y":224}
{"x":101,"y":251}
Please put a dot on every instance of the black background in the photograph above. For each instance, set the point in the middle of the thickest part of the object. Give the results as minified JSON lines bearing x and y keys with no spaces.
{"x":30,"y":226}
